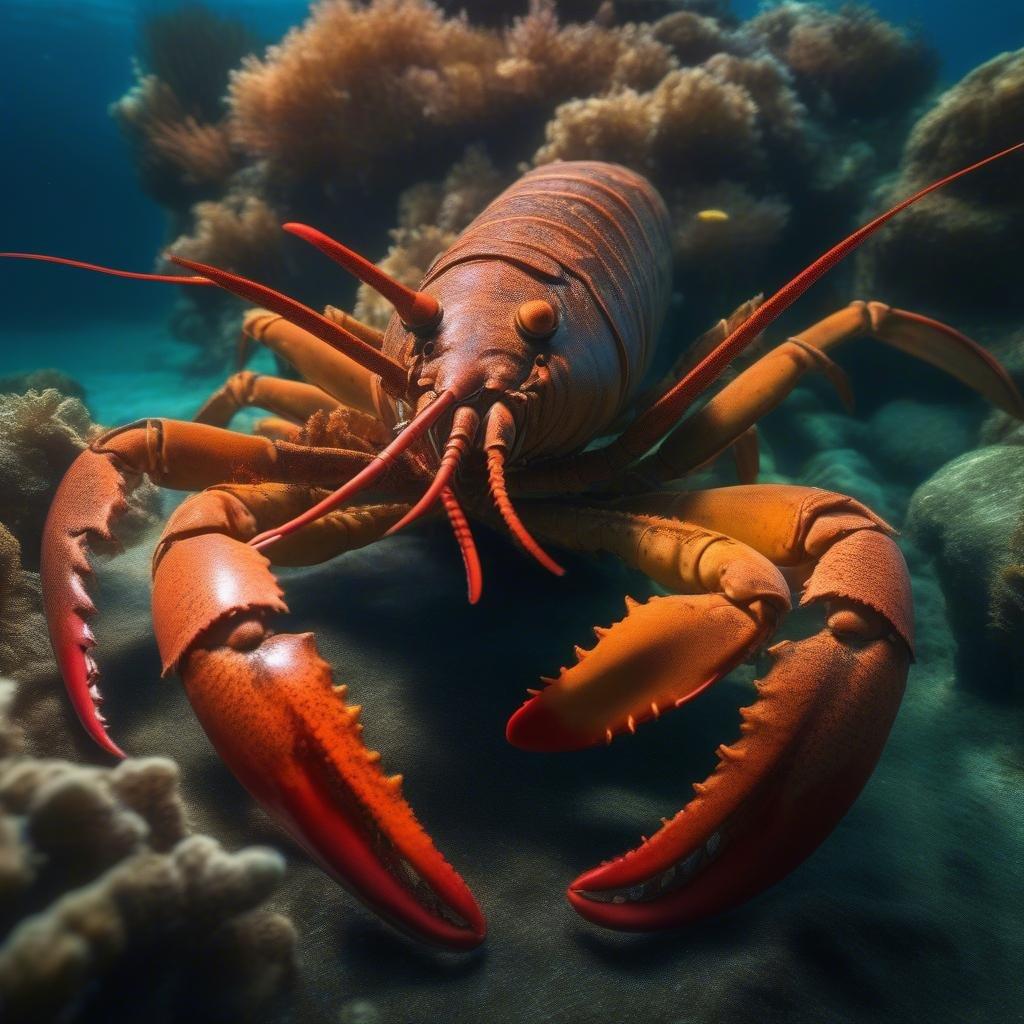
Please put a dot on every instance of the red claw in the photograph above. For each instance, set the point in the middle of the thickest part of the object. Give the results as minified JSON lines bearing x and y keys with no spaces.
{"x":88,"y":500}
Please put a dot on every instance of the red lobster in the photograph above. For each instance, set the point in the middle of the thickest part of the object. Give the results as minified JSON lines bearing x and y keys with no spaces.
{"x":528,"y":339}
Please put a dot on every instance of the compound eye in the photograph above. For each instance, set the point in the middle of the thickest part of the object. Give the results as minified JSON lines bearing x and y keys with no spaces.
{"x":536,"y":319}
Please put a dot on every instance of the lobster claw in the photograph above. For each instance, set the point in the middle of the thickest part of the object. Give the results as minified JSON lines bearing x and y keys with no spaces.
{"x":269,"y":706}
{"x":808,"y":745}
{"x":71,"y":526}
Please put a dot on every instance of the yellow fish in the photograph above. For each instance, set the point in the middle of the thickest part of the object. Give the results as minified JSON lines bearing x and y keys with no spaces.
{"x":712,"y":216}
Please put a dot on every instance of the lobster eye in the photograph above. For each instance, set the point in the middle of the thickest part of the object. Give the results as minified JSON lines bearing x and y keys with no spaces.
{"x":536,"y":319}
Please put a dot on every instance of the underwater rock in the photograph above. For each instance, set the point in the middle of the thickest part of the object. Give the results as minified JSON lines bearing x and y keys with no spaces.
{"x":968,"y":517}
{"x":960,"y":251}
{"x":111,"y":909}
{"x":913,"y":439}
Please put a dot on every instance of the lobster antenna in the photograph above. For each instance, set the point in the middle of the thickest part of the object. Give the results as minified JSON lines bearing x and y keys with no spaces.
{"x":418,"y":310}
{"x":648,"y":428}
{"x":464,"y":537}
{"x":380,"y":464}
{"x":392,"y":373}
{"x":464,"y":428}
{"x":500,"y":431}
{"x":96,"y":268}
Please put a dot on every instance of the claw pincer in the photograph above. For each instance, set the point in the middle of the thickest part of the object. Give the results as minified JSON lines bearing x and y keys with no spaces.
{"x":810,"y":740}
{"x":267,"y":701}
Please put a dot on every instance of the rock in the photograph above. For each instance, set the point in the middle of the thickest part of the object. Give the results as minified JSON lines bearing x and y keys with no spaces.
{"x":967,"y":517}
{"x":915,"y":439}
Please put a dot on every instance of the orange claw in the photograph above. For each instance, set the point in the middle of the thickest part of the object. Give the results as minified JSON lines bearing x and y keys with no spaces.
{"x":64,"y":570}
{"x":269,"y":706}
{"x":663,"y":654}
{"x":808,"y":745}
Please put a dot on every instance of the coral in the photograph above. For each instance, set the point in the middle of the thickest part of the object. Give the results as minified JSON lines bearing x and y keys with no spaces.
{"x":965,"y":245}
{"x":41,"y":380}
{"x":24,"y":649}
{"x":692,"y":37}
{"x":239,"y":232}
{"x":355,"y":84}
{"x":191,"y":50}
{"x":967,"y":517}
{"x":99,"y":866}
{"x":849,"y":62}
{"x":174,"y":114}
{"x":41,"y":433}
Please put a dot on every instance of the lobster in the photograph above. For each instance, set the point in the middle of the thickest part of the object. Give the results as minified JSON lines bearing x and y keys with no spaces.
{"x":527,"y":340}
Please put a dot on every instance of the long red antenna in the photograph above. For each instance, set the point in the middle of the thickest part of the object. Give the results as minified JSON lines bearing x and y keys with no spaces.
{"x":647,"y":429}
{"x":464,"y":537}
{"x":416,"y":428}
{"x":392,"y":373}
{"x":96,"y":268}
{"x":418,"y":310}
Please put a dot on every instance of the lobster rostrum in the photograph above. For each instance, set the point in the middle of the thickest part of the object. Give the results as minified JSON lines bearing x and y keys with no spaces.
{"x":527,"y":340}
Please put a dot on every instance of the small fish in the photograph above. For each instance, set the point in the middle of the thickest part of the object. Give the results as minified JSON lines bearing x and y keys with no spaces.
{"x":712,"y":216}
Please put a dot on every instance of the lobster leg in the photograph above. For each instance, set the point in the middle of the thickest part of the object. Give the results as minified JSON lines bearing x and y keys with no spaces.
{"x":317,"y":362}
{"x":810,"y":740}
{"x":269,"y":704}
{"x":277,"y":429}
{"x":92,"y":496}
{"x":290,"y":399}
{"x":762,"y":386}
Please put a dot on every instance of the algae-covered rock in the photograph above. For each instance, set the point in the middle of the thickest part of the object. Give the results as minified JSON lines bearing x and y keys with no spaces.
{"x":966,"y":517}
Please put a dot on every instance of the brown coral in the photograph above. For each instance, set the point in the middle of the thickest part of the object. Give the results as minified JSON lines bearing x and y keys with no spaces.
{"x":849,"y":61}
{"x":346,"y":89}
{"x":174,"y":114}
{"x":99,"y":865}
{"x":965,"y":245}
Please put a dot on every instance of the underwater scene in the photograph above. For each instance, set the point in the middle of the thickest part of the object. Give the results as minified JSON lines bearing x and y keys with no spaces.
{"x":498,"y":523}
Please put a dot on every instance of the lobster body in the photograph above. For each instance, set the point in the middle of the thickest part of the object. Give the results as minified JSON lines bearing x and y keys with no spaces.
{"x":590,"y":238}
{"x":528,"y":338}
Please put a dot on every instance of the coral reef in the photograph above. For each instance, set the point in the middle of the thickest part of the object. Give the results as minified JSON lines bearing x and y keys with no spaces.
{"x":103,"y":888}
{"x":174,"y":114}
{"x":846,"y":63}
{"x":960,"y":250}
{"x":24,"y":648}
{"x":780,"y":122}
